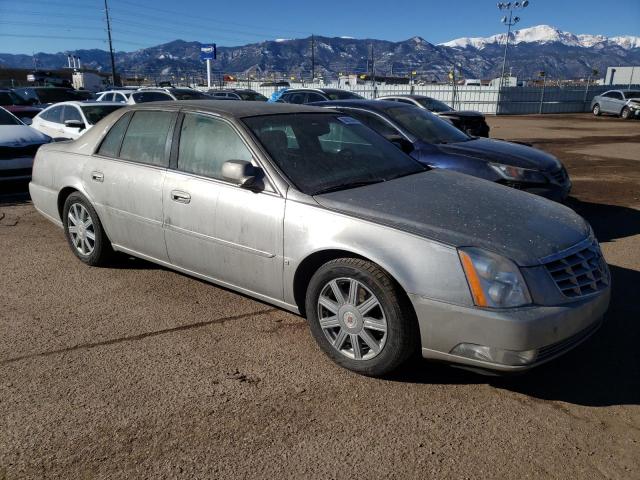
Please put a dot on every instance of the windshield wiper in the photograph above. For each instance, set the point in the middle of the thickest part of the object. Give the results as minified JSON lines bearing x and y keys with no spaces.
{"x":345,"y":186}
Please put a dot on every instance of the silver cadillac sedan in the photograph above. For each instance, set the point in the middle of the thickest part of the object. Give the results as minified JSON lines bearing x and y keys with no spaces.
{"x":310,"y":210}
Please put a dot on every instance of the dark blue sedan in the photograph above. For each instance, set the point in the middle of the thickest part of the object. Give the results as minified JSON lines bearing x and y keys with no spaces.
{"x":437,"y":143}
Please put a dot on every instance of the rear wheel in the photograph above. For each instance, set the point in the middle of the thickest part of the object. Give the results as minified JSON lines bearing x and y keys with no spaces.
{"x":596,"y":110}
{"x":84,"y":231}
{"x":360,"y":317}
{"x":626,"y":113}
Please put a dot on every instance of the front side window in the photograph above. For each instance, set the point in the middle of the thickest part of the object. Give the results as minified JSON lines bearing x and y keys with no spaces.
{"x":146,"y":138}
{"x":71,"y":113}
{"x":321,"y":152}
{"x":206,"y":143}
{"x":314,"y":97}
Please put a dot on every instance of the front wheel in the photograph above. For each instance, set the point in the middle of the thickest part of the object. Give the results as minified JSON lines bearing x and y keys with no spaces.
{"x":596,"y":110}
{"x":84,"y":232}
{"x":360,"y":317}
{"x":626,"y":113}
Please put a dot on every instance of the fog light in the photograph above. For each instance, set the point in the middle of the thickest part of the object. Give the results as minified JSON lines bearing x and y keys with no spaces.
{"x":494,"y":355}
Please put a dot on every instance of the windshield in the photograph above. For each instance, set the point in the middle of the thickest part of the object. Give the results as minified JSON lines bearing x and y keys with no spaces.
{"x":434,"y":105}
{"x":252,"y":96}
{"x":426,"y":126}
{"x":342,"y":95}
{"x":189,"y":95}
{"x":632,"y":94}
{"x":7,"y":119}
{"x":324,"y":152}
{"x":95,"y":113}
{"x":10,"y":98}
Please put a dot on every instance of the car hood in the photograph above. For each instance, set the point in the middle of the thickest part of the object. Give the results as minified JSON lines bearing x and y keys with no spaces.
{"x":20,"y":136}
{"x":460,"y":210}
{"x":461,"y":114}
{"x":508,"y":153}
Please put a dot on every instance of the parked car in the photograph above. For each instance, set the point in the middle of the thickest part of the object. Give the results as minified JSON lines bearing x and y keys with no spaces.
{"x":18,"y":146}
{"x":121,"y":96}
{"x":438,"y":144}
{"x":624,"y":103}
{"x":471,"y":122}
{"x":312,"y":211}
{"x":237,"y":94}
{"x":308,"y":95}
{"x":177,"y":93}
{"x":44,"y":96}
{"x":17,"y":105}
{"x":70,"y":120}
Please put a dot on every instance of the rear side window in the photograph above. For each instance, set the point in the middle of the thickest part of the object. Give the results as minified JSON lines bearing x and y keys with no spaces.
{"x":53,"y":115}
{"x":111,"y":143}
{"x":206,"y":143}
{"x":146,"y":138}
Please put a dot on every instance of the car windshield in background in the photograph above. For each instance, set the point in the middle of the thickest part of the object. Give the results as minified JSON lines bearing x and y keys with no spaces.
{"x":46,"y":95}
{"x":189,"y":95}
{"x":632,"y":94}
{"x":252,"y":96}
{"x":434,"y":105}
{"x":7,"y":119}
{"x":95,"y":113}
{"x":426,"y":126}
{"x":10,"y":98}
{"x":341,"y":95}
{"x":326,"y":152}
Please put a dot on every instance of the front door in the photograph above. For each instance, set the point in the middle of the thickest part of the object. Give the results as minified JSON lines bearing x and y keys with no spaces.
{"x":215,"y":228}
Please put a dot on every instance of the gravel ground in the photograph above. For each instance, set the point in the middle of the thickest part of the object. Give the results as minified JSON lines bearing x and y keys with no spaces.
{"x":135,"y":371}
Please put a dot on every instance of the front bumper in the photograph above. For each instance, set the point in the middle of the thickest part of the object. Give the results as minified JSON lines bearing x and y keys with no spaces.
{"x":551,"y":331}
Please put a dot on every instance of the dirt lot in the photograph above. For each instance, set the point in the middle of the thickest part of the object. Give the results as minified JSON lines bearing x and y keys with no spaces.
{"x":138,"y":372}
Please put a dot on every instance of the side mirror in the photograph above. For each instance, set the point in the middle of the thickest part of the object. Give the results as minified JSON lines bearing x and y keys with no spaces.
{"x":74,"y":124}
{"x":240,"y":172}
{"x":26,"y":120}
{"x":402,"y":143}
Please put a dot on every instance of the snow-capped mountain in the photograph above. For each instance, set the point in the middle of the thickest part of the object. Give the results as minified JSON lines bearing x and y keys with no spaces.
{"x":545,"y":34}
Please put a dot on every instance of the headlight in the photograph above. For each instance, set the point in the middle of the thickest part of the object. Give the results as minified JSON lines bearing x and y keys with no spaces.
{"x":494,"y":281}
{"x":509,"y":172}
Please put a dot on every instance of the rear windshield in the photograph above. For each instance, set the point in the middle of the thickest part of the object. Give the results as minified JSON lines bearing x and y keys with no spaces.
{"x":326,"y":152}
{"x":434,"y":105}
{"x":425,"y":125}
{"x":342,"y":95}
{"x":7,"y":119}
{"x":95,"y":113}
{"x":252,"y":96}
{"x":10,"y":98}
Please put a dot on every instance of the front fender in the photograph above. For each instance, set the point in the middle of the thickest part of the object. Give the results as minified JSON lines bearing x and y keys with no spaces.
{"x":420,"y":266}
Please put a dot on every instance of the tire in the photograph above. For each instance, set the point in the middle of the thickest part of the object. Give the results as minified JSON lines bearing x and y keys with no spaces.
{"x":382,"y":325}
{"x":596,"y":110}
{"x":94,"y":251}
{"x":626,"y":113}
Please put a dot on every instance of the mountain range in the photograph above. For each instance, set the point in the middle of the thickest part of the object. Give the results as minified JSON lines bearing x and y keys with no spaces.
{"x":541,"y":48}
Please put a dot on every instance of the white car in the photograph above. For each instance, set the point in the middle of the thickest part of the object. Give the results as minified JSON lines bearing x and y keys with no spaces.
{"x":18,"y":146}
{"x":69,"y":120}
{"x":150,"y":95}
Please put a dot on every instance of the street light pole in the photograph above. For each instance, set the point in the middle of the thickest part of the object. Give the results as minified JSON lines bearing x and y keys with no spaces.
{"x":509,"y":22}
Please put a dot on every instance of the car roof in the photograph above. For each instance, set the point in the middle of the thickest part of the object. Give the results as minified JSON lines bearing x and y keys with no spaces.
{"x":405,"y":95}
{"x":79,"y":103}
{"x":228,"y":109}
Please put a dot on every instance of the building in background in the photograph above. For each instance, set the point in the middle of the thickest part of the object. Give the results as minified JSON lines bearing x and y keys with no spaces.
{"x":622,"y":76}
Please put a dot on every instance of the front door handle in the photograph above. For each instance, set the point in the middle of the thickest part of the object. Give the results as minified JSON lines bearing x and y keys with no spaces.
{"x":97,"y":176}
{"x":180,"y":196}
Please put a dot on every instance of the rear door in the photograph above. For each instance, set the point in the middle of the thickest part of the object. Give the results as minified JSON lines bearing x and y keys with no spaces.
{"x":125,"y":180}
{"x":212,"y":227}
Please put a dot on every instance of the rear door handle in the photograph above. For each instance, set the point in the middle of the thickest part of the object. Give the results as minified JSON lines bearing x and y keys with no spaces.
{"x":180,"y":196}
{"x":97,"y":176}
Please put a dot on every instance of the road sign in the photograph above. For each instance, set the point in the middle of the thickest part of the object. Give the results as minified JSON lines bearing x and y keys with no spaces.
{"x":208,"y":52}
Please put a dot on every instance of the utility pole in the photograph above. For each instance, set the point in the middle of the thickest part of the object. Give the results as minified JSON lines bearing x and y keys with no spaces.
{"x":113,"y":61}
{"x":313,"y":58}
{"x":373,"y":72}
{"x":509,"y":22}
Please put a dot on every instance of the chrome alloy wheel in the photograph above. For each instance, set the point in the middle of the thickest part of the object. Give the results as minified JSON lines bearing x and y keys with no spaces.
{"x":352,"y":319}
{"x":81,"y":231}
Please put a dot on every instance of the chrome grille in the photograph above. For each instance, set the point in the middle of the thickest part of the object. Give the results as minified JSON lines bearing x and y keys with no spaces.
{"x":581,"y":272}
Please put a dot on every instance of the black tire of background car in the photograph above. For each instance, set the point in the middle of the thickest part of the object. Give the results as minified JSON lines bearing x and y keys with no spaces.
{"x":596,"y":110}
{"x":626,"y":113}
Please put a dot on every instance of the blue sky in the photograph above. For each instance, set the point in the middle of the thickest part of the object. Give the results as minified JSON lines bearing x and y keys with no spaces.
{"x":28,"y":26}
